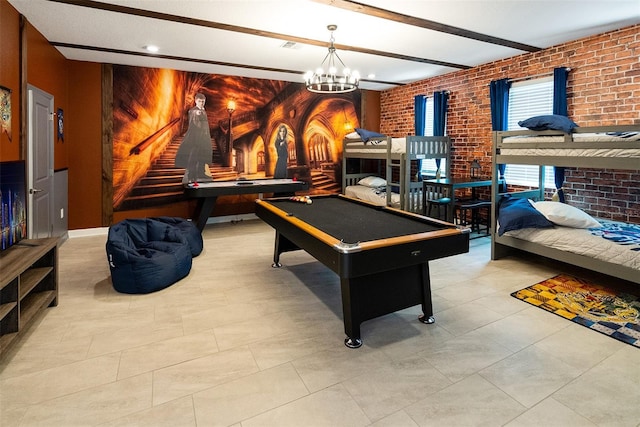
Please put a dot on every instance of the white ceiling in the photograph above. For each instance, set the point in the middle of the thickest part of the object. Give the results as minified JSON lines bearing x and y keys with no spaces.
{"x":244,"y":37}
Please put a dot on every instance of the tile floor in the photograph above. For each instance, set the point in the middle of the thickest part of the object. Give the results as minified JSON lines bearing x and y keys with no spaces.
{"x":238,"y":343}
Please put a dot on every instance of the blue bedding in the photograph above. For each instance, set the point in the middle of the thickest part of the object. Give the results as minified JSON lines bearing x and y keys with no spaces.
{"x":620,"y":233}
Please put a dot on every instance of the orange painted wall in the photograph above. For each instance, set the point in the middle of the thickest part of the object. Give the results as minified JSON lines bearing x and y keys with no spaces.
{"x":84,"y":144}
{"x":47,"y":70}
{"x":10,"y":77}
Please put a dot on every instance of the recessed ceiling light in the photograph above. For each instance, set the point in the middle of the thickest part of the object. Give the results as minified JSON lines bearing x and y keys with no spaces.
{"x":151,"y":48}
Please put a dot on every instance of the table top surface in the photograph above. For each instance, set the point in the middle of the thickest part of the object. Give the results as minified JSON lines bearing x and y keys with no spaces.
{"x":352,"y":221}
{"x":246,"y":182}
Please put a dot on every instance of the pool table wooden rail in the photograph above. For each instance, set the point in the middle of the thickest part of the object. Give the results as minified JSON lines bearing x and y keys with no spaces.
{"x":343,"y":247}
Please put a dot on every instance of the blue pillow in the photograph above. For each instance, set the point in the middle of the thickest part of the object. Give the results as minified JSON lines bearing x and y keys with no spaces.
{"x":549,"y":122}
{"x":365,"y":135}
{"x":514,"y":214}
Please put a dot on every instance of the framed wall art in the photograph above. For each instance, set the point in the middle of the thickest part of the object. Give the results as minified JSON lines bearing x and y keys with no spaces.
{"x":5,"y":111}
{"x":60,"y":115}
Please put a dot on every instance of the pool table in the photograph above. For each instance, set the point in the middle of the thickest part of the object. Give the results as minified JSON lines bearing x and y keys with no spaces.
{"x":381,"y":254}
{"x":207,"y":192}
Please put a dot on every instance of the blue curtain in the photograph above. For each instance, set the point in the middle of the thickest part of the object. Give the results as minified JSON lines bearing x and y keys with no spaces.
{"x":499,"y":96}
{"x":560,"y":91}
{"x":419,"y":111}
{"x":440,"y":105}
{"x":420,"y":106}
{"x":560,"y":107}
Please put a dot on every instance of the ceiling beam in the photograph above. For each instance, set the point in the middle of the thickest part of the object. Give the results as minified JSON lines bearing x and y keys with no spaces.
{"x":365,"y":9}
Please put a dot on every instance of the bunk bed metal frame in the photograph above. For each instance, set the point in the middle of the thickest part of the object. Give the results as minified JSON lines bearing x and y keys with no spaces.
{"x":398,"y":165}
{"x":502,"y":246}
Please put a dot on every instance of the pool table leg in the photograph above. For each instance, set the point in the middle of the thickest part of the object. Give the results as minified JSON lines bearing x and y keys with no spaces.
{"x":427,"y":304}
{"x":374,"y":295}
{"x":282,"y":245}
{"x":350,"y":313}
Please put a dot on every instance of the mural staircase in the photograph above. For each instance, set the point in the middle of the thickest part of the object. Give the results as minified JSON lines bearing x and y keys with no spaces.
{"x":320,"y":181}
{"x":162,"y":184}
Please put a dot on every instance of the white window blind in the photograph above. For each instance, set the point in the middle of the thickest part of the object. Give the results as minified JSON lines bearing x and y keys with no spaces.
{"x":428,"y":117}
{"x":429,"y":165}
{"x":527,"y":99}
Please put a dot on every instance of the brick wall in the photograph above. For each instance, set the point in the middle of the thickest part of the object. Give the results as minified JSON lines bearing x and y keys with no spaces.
{"x":603,"y":89}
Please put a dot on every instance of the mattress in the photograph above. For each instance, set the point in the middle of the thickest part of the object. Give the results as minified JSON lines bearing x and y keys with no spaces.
{"x":398,"y":146}
{"x":566,"y":150}
{"x":588,"y":242}
{"x":577,"y":137}
{"x":373,"y":195}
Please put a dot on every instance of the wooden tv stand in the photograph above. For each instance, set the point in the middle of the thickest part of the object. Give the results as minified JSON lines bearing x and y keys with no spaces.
{"x":28,"y":285}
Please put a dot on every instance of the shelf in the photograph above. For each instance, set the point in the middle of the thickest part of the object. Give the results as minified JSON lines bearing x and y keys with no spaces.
{"x":28,"y":285}
{"x":33,"y":304}
{"x":6,"y":309}
{"x":32,"y":278}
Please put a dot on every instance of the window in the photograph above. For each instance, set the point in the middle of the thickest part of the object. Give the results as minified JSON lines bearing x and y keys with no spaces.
{"x":527,"y":99}
{"x":429,"y":165}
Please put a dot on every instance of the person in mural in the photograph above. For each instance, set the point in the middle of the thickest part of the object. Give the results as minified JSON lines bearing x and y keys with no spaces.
{"x":282,"y":151}
{"x":195,"y":152}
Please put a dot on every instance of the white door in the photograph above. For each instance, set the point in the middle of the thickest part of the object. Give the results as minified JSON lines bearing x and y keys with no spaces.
{"x":40,"y":163}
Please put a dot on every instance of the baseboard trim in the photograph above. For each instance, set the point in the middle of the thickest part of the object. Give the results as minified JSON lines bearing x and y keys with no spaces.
{"x":103,"y":231}
{"x":85,"y":232}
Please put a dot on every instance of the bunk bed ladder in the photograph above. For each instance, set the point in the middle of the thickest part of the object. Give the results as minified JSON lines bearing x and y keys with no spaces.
{"x":394,"y":164}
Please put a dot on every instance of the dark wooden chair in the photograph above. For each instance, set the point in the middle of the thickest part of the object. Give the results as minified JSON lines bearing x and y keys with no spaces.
{"x":475,"y":213}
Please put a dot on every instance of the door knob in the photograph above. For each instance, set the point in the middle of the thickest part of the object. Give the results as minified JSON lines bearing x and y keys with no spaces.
{"x":35,"y":190}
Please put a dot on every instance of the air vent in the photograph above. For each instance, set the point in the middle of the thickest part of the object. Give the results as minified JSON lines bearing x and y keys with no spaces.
{"x":290,"y":45}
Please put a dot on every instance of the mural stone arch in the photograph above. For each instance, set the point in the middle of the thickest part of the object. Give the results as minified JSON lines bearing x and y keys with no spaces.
{"x":256,"y":155}
{"x":325,"y":125}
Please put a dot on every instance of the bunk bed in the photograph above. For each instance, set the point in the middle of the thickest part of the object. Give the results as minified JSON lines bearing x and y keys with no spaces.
{"x":608,"y":247}
{"x":398,"y":189}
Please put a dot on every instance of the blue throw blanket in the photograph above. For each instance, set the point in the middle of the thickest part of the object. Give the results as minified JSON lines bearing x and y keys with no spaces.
{"x":620,"y":233}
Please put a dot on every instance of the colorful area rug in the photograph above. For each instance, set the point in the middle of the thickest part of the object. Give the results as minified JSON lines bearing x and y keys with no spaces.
{"x":610,"y":312}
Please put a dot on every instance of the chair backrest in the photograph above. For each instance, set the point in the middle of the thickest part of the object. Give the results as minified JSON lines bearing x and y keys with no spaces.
{"x":435,"y":192}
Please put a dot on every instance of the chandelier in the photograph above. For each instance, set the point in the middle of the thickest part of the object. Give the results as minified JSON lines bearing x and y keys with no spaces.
{"x":326,"y":78}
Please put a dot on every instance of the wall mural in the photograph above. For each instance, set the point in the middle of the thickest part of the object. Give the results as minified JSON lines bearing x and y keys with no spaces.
{"x":171,"y":127}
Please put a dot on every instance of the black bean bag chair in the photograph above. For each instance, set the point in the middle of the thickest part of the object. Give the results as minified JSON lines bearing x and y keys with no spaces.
{"x":188,"y":230}
{"x":146,"y":255}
